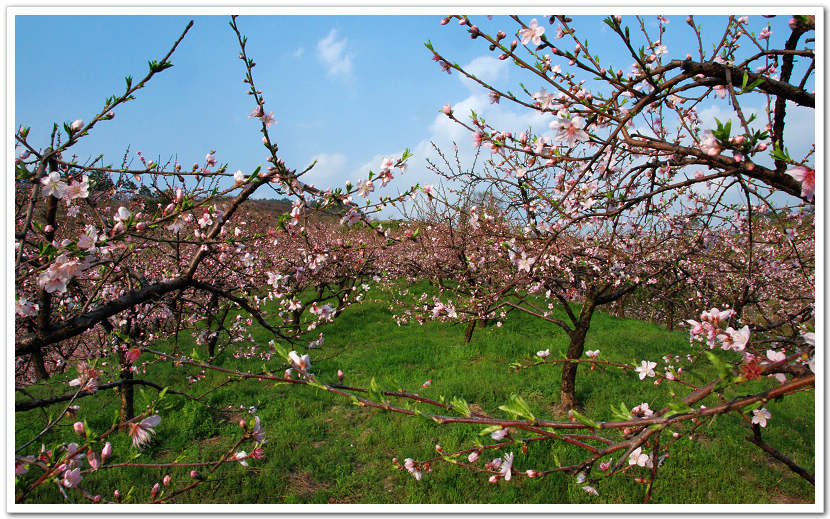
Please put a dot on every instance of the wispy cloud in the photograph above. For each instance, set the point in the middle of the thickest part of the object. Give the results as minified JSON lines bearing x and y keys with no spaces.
{"x":334,"y":55}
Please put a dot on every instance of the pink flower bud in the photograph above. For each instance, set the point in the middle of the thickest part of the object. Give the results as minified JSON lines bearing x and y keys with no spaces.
{"x":446,"y":109}
{"x":117,"y":495}
{"x":473,"y":457}
{"x":195,"y":475}
{"x":78,"y":427}
{"x":106,"y":452}
{"x":48,"y":228}
{"x":141,"y":226}
{"x":76,"y":125}
{"x":166,"y":480}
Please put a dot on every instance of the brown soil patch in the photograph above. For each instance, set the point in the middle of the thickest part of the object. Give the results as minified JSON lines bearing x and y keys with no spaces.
{"x":303,"y":484}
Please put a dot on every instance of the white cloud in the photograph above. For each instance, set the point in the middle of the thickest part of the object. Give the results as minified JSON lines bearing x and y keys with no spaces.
{"x":485,"y":68}
{"x":334,"y":55}
{"x":329,"y":171}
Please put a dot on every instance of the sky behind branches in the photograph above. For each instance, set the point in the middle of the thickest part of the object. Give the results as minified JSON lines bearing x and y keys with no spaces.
{"x":346,"y":91}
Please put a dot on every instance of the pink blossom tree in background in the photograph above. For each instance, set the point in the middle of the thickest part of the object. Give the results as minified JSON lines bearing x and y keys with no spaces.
{"x":625,"y":196}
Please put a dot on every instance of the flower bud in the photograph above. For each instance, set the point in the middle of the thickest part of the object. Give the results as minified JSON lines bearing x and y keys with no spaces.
{"x":106,"y":452}
{"x":76,"y":125}
{"x":166,"y":480}
{"x":78,"y":427}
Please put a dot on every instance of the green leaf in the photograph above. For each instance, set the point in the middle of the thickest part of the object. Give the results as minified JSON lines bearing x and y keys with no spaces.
{"x":487,"y":430}
{"x":584,"y":419}
{"x":678,"y":408}
{"x":460,"y":405}
{"x":195,"y":355}
{"x":375,"y":392}
{"x":720,"y":365}
{"x":518,"y":407}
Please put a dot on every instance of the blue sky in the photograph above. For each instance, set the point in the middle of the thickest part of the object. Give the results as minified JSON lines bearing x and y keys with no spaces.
{"x":345,"y":90}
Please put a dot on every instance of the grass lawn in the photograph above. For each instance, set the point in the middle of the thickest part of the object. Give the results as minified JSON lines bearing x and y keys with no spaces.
{"x":323,"y":449}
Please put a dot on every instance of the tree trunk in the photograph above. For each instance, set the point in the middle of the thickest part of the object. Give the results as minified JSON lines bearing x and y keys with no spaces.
{"x":468,"y":336}
{"x":567,"y":394}
{"x":127,"y":411}
{"x":40,"y":365}
{"x":670,"y":317}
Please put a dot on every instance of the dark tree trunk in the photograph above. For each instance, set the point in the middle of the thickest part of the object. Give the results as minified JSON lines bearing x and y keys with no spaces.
{"x":468,"y":335}
{"x":567,"y":395}
{"x":670,"y":316}
{"x":621,"y":307}
{"x":40,"y":365}
{"x":127,"y":411}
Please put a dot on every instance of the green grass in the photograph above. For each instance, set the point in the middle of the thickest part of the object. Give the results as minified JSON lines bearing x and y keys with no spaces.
{"x":323,"y":449}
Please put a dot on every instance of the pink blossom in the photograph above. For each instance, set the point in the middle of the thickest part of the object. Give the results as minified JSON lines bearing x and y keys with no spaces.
{"x":78,"y":427}
{"x":72,"y":478}
{"x":87,"y":239}
{"x":543,"y":354}
{"x":499,"y":434}
{"x":642,"y":410}
{"x":570,"y":130}
{"x":301,"y":363}
{"x":52,"y":185}
{"x":473,"y":457}
{"x":76,"y":125}
{"x":93,"y":459}
{"x":106,"y":452}
{"x":735,"y":339}
{"x":709,"y":144}
{"x":807,"y":177}
{"x":364,"y":187}
{"x":241,"y":456}
{"x":765,"y":33}
{"x":776,"y":356}
{"x":639,"y":458}
{"x":268,"y":119}
{"x":447,"y":109}
{"x":592,"y":354}
{"x":532,"y":32}
{"x":77,"y":189}
{"x":760,"y":416}
{"x":24,"y":308}
{"x":142,"y":431}
{"x":257,"y":432}
{"x":646,"y":369}
{"x":122,"y":215}
{"x":166,"y":480}
{"x":506,"y":466}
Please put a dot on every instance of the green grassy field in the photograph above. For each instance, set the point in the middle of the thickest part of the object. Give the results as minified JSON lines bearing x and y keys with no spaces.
{"x":323,"y":449}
